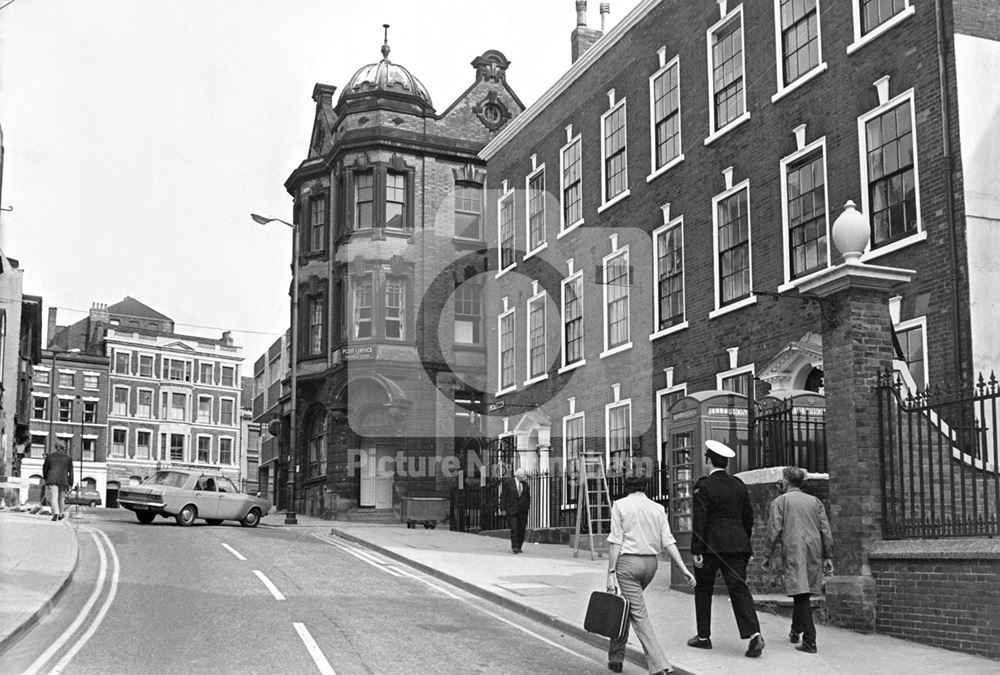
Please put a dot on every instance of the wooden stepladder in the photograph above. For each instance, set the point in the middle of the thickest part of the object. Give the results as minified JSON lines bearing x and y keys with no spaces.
{"x":592,"y":498}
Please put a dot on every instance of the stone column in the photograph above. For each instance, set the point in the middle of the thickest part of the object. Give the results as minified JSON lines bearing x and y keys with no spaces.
{"x":857,"y":343}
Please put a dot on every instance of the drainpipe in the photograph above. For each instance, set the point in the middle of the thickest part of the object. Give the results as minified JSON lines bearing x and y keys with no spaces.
{"x":946,"y":161}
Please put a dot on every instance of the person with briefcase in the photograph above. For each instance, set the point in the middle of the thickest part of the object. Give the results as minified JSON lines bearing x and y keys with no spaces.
{"x":640,"y":530}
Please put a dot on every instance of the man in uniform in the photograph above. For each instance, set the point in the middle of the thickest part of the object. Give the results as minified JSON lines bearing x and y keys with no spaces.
{"x":721,"y":528}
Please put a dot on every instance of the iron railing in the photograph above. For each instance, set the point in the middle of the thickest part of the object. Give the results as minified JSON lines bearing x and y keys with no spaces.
{"x":939,"y":460}
{"x":788,"y":433}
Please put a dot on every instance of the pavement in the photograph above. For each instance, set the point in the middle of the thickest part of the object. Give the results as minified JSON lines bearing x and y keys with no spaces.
{"x":546,"y":583}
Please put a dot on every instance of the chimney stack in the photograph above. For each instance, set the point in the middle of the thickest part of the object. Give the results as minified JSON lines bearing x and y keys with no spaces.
{"x":50,"y":331}
{"x":583,"y":37}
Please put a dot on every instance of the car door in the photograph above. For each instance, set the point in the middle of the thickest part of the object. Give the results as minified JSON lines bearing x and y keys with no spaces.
{"x":206,"y":497}
{"x":232,"y":503}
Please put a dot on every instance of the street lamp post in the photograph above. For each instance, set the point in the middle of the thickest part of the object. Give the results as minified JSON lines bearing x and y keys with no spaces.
{"x":293,"y":431}
{"x":79,"y":479}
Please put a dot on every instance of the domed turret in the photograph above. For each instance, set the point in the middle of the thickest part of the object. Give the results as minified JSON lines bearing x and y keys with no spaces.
{"x":385,"y":79}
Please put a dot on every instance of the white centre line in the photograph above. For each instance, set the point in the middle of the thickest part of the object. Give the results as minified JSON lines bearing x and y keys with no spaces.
{"x":314,"y":651}
{"x":232,"y":550}
{"x":270,"y":586}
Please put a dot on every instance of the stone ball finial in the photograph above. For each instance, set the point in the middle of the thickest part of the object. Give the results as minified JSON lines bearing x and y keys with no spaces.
{"x":851,"y":233}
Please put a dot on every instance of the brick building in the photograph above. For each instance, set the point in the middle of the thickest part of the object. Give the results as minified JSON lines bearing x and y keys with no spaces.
{"x":388,"y":208}
{"x":168,"y":398}
{"x":657,"y":214}
{"x":270,"y":399}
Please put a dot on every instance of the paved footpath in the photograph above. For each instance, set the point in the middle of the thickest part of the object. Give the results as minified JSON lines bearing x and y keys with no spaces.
{"x":548,"y":584}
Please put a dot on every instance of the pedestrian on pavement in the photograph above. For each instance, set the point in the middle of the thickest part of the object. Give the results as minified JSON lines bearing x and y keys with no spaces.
{"x":799,"y":522}
{"x":640,"y":530}
{"x":58,"y":473}
{"x":515,"y":500}
{"x":721,"y":529}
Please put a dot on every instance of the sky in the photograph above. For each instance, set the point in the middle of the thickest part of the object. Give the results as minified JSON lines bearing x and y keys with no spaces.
{"x":140,"y":134}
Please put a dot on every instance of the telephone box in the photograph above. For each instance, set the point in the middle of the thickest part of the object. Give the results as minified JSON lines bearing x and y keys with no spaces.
{"x":690,"y":421}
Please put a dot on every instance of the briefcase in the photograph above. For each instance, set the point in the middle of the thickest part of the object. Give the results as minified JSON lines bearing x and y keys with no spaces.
{"x":607,"y":615}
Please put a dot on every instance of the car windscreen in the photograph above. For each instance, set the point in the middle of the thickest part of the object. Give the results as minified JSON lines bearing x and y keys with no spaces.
{"x":169,"y":478}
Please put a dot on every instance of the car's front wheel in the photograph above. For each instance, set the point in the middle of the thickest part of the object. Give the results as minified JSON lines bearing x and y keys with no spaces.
{"x":145,"y":518}
{"x":186,"y":515}
{"x":92,"y":504}
{"x":251,"y":518}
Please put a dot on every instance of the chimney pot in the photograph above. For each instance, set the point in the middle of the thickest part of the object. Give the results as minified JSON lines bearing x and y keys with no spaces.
{"x":581,"y":12}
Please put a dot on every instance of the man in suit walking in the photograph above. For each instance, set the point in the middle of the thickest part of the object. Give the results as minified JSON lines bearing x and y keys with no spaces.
{"x":515,"y":499}
{"x":58,"y":473}
{"x":721,"y":529}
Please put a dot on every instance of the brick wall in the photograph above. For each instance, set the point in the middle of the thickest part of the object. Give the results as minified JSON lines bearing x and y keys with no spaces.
{"x":944,"y":599}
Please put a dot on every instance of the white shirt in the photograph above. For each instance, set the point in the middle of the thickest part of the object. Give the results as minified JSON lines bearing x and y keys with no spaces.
{"x":639,"y":525}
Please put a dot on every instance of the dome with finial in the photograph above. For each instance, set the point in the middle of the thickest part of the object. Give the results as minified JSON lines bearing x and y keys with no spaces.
{"x":386,"y":79}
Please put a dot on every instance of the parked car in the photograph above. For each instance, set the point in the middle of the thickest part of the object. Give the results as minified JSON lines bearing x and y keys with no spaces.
{"x":188,"y":494}
{"x":84,"y":497}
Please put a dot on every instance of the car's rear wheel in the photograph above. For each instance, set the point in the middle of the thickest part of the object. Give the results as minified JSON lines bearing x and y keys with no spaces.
{"x":92,"y":504}
{"x":144,"y":517}
{"x":213,"y":521}
{"x":186,"y":515}
{"x":251,"y":518}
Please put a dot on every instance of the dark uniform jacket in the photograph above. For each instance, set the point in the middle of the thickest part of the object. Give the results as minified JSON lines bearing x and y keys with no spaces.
{"x":510,"y":501}
{"x":58,"y":469}
{"x":723,"y":515}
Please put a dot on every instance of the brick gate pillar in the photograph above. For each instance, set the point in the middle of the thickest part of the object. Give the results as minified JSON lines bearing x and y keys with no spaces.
{"x":857,"y":343}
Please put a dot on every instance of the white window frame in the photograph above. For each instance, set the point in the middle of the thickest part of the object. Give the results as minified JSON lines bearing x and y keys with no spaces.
{"x":197,"y":448}
{"x":171,"y":407}
{"x":884,"y":107}
{"x":72,"y":379}
{"x":114,"y":362}
{"x":614,"y":405}
{"x":235,"y":417}
{"x":627,"y":344}
{"x":503,"y":316}
{"x":211,"y":409}
{"x":733,"y":372}
{"x":675,"y":223}
{"x":233,"y":453}
{"x":400,"y":318}
{"x":152,"y":403}
{"x":573,"y":278}
{"x":751,"y":299}
{"x":152,"y":443}
{"x":201,"y":368}
{"x":356,"y":320}
{"x":918,"y":323}
{"x":661,"y":432}
{"x":502,"y":202}
{"x":805,"y":151}
{"x":716,"y":133}
{"x":536,"y":174}
{"x":606,"y":201}
{"x":222,"y":374}
{"x":861,"y":40}
{"x":779,"y":51}
{"x":38,"y":370}
{"x":88,"y":455}
{"x":665,"y":67}
{"x":152,"y":365}
{"x":541,"y":298}
{"x":114,"y":399}
{"x":111,"y":442}
{"x":88,"y":374}
{"x":566,"y":420}
{"x":47,"y":409}
{"x":186,"y":363}
{"x":571,"y":141}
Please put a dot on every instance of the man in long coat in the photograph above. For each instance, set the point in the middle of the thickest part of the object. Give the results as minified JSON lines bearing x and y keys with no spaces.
{"x":58,"y":473}
{"x":799,"y":522}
